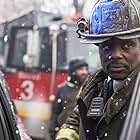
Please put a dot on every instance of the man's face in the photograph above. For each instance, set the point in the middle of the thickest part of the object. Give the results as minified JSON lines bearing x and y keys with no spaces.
{"x":82,"y":73}
{"x":119,"y":57}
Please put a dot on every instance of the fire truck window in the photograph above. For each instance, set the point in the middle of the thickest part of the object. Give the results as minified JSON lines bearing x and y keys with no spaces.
{"x":46,"y":50}
{"x":76,"y":48}
{"x":1,"y":52}
{"x":69,"y":46}
{"x":30,"y":49}
{"x":1,"y":45}
{"x":20,"y":47}
{"x":61,"y":50}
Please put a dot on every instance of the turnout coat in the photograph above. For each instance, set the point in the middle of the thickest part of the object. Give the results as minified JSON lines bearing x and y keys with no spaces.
{"x":109,"y":126}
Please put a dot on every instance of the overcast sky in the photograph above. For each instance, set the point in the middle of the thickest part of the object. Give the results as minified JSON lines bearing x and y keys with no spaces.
{"x":9,"y":8}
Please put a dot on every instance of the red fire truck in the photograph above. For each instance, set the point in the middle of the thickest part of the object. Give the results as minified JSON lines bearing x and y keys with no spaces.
{"x":37,"y":49}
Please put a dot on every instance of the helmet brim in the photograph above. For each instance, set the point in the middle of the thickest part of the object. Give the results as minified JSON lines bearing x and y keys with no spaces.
{"x":100,"y":38}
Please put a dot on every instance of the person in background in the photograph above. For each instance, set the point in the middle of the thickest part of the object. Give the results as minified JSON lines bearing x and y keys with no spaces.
{"x":65,"y":99}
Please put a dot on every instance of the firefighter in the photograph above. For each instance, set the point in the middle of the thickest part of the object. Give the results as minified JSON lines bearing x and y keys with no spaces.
{"x":65,"y":99}
{"x":103,"y":100}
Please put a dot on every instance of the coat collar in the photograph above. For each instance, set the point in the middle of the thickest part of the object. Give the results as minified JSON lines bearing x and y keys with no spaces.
{"x":121,"y":96}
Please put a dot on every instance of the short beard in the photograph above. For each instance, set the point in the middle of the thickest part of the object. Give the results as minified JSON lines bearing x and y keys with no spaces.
{"x":77,"y":80}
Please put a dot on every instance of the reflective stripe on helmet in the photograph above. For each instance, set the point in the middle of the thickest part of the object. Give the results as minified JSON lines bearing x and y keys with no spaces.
{"x":68,"y":134}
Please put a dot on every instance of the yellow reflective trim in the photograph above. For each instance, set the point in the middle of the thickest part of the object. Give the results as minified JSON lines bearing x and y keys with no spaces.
{"x":68,"y":133}
{"x":74,"y":133}
{"x":61,"y":137}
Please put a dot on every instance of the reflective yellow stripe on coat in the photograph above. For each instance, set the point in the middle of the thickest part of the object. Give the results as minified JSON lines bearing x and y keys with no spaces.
{"x":68,"y":134}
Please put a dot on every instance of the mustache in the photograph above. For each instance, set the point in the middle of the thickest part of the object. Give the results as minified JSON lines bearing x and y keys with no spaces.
{"x":116,"y":62}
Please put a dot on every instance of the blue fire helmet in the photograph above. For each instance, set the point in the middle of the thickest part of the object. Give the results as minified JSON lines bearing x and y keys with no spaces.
{"x":112,"y":18}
